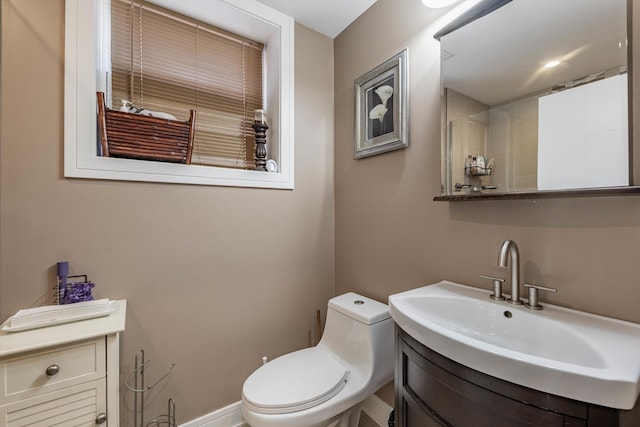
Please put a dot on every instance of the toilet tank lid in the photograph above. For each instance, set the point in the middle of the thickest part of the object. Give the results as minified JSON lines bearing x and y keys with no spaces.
{"x":360,"y":308}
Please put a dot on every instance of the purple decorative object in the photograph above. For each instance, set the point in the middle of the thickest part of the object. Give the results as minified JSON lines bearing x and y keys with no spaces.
{"x":63,"y":268}
{"x":70,"y":291}
{"x":77,"y":292}
{"x":63,"y":272}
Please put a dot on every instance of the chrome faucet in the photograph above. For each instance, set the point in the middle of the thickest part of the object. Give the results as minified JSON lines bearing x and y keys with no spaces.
{"x":509,"y":248}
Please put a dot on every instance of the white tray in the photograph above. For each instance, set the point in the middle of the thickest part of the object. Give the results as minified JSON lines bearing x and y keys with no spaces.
{"x":110,"y":309}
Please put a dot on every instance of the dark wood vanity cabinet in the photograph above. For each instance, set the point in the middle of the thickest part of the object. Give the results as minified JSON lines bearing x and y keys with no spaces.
{"x":432,"y":390}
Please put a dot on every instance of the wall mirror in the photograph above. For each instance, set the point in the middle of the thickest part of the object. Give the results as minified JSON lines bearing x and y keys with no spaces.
{"x":535,"y":97}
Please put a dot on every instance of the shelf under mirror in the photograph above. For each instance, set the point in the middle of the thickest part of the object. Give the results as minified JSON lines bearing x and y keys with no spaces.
{"x":587,"y":192}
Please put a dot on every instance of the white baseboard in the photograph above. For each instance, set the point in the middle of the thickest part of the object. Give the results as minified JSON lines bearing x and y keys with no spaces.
{"x":231,"y":416}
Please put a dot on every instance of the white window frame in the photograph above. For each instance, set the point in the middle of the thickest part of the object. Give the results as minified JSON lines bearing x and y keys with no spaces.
{"x":87,"y":44}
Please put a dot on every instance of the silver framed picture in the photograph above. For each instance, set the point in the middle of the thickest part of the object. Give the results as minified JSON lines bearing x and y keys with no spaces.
{"x":382,"y":108}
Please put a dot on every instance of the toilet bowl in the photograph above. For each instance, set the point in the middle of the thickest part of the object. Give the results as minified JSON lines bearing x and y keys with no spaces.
{"x":324,"y":386}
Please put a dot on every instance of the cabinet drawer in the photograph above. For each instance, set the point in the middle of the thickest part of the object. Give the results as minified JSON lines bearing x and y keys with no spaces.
{"x":51,"y":370}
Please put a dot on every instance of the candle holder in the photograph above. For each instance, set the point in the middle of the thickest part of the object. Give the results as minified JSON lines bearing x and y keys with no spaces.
{"x":260,"y":127}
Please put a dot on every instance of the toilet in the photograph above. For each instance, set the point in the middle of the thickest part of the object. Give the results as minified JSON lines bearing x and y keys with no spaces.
{"x":325,"y":385}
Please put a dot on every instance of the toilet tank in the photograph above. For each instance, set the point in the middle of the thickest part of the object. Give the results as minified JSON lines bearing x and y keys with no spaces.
{"x":359,"y":308}
{"x":360,"y":331}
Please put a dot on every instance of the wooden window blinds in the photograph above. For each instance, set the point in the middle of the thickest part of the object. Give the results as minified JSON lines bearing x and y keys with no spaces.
{"x":164,"y":61}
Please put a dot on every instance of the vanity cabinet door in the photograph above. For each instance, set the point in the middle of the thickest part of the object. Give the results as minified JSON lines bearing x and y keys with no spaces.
{"x":433,"y":391}
{"x":417,"y":415}
{"x":78,"y":406}
{"x":461,"y":403}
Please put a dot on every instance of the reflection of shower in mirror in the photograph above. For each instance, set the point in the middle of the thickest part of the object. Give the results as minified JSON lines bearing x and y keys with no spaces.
{"x":502,"y":111}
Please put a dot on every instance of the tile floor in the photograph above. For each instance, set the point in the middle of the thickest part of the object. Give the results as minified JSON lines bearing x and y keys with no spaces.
{"x":365,"y":421}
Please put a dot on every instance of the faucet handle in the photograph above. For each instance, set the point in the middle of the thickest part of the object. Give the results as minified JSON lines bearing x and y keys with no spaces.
{"x":497,"y":287}
{"x":534,"y":303}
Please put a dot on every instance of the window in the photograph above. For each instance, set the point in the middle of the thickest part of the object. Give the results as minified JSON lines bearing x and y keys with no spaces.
{"x":166,"y":62}
{"x":88,"y":68}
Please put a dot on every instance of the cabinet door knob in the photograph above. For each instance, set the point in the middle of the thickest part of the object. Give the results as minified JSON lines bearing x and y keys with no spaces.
{"x":52,"y":370}
{"x":101,"y":418}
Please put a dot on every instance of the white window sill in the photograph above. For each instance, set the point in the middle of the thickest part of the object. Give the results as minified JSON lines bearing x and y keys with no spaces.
{"x":139,"y":170}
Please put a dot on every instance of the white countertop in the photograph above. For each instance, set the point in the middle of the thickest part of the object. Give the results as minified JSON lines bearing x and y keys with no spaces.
{"x":17,"y":342}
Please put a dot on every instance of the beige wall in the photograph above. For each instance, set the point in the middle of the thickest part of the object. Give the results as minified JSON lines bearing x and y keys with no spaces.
{"x":215,"y":277}
{"x":391,"y":236}
{"x":172,"y":250}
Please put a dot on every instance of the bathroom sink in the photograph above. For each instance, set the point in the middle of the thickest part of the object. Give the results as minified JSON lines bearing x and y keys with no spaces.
{"x":557,"y":350}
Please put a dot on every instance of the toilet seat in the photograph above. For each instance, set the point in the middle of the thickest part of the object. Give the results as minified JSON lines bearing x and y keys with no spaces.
{"x":294,"y":382}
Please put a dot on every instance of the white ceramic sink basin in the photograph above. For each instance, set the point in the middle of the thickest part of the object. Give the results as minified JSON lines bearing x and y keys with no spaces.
{"x":557,"y":350}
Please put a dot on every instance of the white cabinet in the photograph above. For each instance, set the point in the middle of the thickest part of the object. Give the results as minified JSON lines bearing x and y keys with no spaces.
{"x":64,"y":375}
